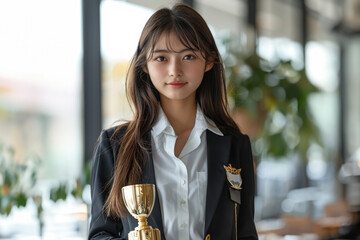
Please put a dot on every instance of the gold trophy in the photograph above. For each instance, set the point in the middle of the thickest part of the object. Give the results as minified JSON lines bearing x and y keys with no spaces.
{"x":139,"y":200}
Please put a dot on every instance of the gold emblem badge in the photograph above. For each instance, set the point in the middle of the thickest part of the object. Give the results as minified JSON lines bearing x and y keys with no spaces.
{"x":233,"y":176}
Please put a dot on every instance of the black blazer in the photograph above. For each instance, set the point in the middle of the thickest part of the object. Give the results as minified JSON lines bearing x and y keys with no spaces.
{"x":220,"y":211}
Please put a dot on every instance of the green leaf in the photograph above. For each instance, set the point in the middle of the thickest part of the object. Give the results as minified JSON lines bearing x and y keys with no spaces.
{"x":21,"y":200}
{"x":58,"y":193}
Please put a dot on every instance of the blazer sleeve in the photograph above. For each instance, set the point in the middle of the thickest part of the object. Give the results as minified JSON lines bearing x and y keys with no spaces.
{"x":101,"y":226}
{"x":246,"y":226}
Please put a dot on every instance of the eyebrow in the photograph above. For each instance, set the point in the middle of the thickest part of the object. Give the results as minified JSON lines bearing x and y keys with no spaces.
{"x":167,"y":51}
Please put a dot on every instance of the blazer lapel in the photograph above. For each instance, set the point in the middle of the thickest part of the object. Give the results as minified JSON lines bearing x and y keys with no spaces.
{"x":155,"y":219}
{"x":218,"y":155}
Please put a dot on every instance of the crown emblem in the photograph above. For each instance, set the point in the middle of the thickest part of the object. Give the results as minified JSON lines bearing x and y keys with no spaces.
{"x":233,"y":176}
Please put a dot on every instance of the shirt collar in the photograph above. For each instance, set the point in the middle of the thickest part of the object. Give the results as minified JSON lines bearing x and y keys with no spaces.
{"x":162,"y":125}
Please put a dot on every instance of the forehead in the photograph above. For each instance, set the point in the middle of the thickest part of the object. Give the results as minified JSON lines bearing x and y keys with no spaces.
{"x":170,"y":41}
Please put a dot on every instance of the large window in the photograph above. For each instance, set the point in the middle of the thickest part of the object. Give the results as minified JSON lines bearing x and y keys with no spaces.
{"x":121,"y":26}
{"x":280,"y":38}
{"x":40,"y":83}
{"x":40,"y":102}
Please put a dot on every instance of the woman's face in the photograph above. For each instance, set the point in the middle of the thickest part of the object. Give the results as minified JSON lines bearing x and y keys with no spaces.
{"x":177,"y":72}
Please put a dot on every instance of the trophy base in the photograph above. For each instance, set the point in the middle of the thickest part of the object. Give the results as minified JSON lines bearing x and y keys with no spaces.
{"x":145,"y":233}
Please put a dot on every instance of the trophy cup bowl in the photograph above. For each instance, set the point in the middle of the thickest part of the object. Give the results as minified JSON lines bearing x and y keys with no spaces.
{"x":139,"y":200}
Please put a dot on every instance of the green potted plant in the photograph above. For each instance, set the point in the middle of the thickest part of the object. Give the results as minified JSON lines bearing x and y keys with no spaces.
{"x":17,"y":180}
{"x":272,"y":101}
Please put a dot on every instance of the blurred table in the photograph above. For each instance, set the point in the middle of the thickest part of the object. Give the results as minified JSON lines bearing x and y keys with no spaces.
{"x":64,"y":220}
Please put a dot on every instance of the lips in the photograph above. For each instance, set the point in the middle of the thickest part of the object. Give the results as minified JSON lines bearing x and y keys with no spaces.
{"x":176,"y":84}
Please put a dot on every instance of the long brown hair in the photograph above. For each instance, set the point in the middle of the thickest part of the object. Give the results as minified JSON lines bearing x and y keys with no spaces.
{"x":193,"y":33}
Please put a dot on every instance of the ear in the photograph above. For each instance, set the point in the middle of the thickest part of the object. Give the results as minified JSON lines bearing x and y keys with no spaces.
{"x":209,"y":66}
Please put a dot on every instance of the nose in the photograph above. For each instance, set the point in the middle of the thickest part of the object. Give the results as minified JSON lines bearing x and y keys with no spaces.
{"x":175,"y":68}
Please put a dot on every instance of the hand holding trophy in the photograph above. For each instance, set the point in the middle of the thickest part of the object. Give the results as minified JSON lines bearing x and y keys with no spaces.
{"x":139,"y":200}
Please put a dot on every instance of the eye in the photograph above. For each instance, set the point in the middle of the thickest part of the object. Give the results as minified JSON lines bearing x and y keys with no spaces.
{"x":189,"y":57}
{"x":160,"y":59}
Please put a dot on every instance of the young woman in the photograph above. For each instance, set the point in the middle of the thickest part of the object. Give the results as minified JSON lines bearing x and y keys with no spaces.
{"x":182,"y":139}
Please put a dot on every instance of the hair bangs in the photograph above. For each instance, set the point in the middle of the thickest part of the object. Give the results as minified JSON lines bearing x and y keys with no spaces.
{"x":185,"y":33}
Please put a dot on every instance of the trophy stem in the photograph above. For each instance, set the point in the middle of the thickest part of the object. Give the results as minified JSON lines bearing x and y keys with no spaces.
{"x":142,"y":221}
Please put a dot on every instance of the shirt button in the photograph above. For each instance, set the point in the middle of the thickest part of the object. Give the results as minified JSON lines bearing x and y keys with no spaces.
{"x":182,"y":202}
{"x":183,"y":182}
{"x":183,"y":225}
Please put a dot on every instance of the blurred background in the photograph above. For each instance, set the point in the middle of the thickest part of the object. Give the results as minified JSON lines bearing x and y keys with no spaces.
{"x":293,"y":78}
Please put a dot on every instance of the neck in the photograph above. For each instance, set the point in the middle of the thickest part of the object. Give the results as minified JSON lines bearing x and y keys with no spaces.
{"x":180,"y":114}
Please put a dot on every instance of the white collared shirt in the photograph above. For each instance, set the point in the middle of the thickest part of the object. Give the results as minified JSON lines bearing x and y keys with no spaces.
{"x":181,"y":181}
